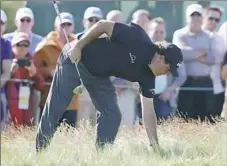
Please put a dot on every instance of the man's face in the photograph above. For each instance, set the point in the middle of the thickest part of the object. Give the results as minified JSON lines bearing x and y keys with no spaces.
{"x":69,"y":28}
{"x":157,"y":32}
{"x":195,"y":21}
{"x":142,"y":20}
{"x":88,"y":23}
{"x":3,"y":27}
{"x":159,"y":66}
{"x":211,"y":19}
{"x":25,"y":24}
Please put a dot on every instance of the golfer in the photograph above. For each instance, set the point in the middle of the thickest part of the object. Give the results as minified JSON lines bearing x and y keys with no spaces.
{"x":126,"y":52}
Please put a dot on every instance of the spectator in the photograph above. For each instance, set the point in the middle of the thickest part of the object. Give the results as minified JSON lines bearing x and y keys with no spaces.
{"x":47,"y":53}
{"x":24,"y":21}
{"x":212,"y":16}
{"x":165,"y":85}
{"x":6,"y":54}
{"x":115,"y":15}
{"x":19,"y":92}
{"x":142,"y":18}
{"x":199,"y":55}
{"x":87,"y":112}
{"x":223,"y":32}
{"x":91,"y":16}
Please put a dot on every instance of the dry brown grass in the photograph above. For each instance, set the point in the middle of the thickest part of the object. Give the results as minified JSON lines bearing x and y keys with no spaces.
{"x":183,"y":144}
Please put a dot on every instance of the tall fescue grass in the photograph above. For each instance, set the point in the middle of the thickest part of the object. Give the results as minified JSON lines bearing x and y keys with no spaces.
{"x":182,"y":144}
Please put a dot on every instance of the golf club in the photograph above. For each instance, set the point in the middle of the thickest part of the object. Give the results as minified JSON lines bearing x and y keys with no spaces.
{"x":79,"y":89}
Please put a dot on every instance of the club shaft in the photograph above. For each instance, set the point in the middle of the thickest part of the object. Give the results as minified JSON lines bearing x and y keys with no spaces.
{"x":66,"y":36}
{"x":63,"y":28}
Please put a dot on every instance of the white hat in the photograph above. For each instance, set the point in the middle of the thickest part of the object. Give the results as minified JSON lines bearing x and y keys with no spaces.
{"x":21,"y":36}
{"x":24,"y":12}
{"x":193,"y":8}
{"x":3,"y":16}
{"x":65,"y":18}
{"x":93,"y":12}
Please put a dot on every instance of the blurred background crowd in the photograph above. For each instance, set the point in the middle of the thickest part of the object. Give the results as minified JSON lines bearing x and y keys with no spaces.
{"x":32,"y":38}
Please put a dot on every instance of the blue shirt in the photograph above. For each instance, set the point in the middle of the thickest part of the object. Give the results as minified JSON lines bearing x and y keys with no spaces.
{"x":6,"y":51}
{"x":189,"y":44}
{"x":126,"y":54}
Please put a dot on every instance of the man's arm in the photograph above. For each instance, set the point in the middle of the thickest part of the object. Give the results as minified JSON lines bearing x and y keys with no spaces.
{"x":149,"y":119}
{"x":101,"y":27}
{"x":216,"y":51}
{"x":98,"y":29}
{"x":189,"y":53}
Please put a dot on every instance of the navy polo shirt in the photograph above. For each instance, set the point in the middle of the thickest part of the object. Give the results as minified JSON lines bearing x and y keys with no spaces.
{"x":126,"y":54}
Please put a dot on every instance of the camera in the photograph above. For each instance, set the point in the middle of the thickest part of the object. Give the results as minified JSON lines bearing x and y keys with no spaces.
{"x":24,"y":62}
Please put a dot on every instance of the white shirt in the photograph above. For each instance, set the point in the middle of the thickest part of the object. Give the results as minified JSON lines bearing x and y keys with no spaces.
{"x":216,"y":69}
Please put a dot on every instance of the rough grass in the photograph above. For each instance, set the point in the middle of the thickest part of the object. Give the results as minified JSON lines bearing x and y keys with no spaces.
{"x":182,"y":144}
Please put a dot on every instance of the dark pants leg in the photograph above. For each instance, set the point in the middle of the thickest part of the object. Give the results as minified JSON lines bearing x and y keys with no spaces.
{"x":219,"y":101}
{"x":196,"y":104}
{"x":101,"y":91}
{"x":64,"y":81}
{"x":204,"y":99}
{"x":139,"y":113}
{"x":69,"y":117}
{"x":186,"y":107}
{"x":104,"y":98}
{"x":162,"y":108}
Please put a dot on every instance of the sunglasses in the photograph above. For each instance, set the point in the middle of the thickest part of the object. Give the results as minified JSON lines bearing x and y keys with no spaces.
{"x":67,"y":24}
{"x":213,"y":18}
{"x":93,"y":19}
{"x":26,"y":20}
{"x":196,"y":14}
{"x":22,"y":45}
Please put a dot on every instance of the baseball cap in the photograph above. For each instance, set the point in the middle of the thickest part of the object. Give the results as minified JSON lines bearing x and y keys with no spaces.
{"x":65,"y":18}
{"x":173,"y":56}
{"x":21,"y":36}
{"x":93,"y":12}
{"x":194,"y":8}
{"x":24,"y":12}
{"x":3,"y":16}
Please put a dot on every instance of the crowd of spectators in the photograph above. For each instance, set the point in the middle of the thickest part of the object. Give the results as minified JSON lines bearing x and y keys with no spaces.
{"x":28,"y":61}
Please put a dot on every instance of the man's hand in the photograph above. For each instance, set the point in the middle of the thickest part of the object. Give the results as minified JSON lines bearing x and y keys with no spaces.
{"x":14,"y":66}
{"x":167,"y":93}
{"x":150,"y":120}
{"x":200,"y":53}
{"x":75,"y":53}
